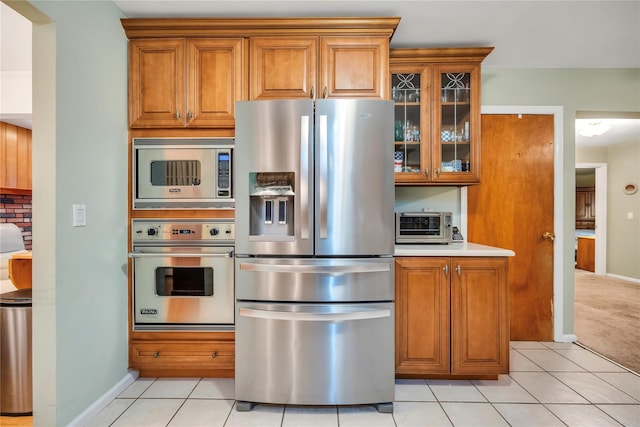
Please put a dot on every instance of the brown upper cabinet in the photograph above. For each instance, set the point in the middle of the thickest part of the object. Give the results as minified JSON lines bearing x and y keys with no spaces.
{"x":319,"y":67}
{"x":15,"y":159}
{"x":185,"y":82}
{"x":189,"y":72}
{"x":437,"y":115}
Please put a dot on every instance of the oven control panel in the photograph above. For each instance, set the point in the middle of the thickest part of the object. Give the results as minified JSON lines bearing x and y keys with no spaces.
{"x":218,"y":231}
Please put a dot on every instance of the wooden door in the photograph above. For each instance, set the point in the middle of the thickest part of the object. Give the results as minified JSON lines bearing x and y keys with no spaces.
{"x":283,"y":67}
{"x":354,"y":67}
{"x":156,"y":83}
{"x":479,"y":316}
{"x":512,"y":207}
{"x":422,"y":316}
{"x":216,"y":82}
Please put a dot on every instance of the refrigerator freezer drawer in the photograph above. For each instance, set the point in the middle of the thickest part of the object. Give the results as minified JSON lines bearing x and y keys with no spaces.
{"x":315,"y":280}
{"x":321,"y":354}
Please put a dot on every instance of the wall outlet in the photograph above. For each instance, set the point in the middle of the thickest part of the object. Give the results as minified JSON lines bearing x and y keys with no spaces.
{"x":629,"y":215}
{"x":79,"y":215}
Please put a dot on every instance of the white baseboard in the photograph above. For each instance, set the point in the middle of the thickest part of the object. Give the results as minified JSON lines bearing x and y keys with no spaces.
{"x":627,"y":279}
{"x":567,"y":338}
{"x":104,"y":400}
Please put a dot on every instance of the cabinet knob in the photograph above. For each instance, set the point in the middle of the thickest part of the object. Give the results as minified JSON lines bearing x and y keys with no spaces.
{"x":426,"y":171}
{"x":437,"y":171}
{"x":324,"y":92}
{"x":156,"y":354}
{"x":548,"y":236}
{"x":189,"y":115}
{"x":459,"y":270}
{"x":178,"y":114}
{"x":313,"y":92}
{"x":214,"y":354}
{"x":446,"y":269}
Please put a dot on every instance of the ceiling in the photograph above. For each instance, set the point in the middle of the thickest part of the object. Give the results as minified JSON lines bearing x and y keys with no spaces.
{"x":525,"y":34}
{"x":621,"y":131}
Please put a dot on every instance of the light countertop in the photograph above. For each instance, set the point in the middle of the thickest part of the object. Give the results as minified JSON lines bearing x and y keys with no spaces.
{"x":452,"y":249}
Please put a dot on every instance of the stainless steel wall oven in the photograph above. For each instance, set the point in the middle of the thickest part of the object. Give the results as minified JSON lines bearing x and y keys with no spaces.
{"x":183,"y":274}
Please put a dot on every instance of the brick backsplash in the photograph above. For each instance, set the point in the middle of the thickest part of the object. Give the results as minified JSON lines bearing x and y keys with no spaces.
{"x":17,"y":209}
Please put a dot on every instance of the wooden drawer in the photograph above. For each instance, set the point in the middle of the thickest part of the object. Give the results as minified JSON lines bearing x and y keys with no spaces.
{"x":189,"y":358}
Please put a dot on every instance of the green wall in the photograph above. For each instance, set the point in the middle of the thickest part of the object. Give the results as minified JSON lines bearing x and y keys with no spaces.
{"x":574,"y":90}
{"x":80,"y":157}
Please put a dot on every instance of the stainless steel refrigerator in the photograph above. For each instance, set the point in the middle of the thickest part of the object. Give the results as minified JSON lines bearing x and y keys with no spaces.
{"x":314,"y":275}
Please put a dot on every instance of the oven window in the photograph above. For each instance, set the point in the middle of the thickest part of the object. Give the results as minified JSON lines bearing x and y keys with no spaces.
{"x":420,"y":226}
{"x":184,"y":281}
{"x":175,"y":172}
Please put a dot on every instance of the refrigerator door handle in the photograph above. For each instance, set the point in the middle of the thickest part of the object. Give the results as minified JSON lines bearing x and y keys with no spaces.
{"x":316,"y":269}
{"x":305,"y":179}
{"x":323,"y":154}
{"x":314,"y":316}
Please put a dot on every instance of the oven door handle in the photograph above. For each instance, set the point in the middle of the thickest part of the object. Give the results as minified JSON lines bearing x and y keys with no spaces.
{"x":314,"y":316}
{"x":179,"y":255}
{"x":315,"y":269}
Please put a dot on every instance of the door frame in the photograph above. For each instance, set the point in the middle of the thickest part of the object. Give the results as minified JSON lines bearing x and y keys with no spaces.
{"x":601,"y":215}
{"x":558,"y":208}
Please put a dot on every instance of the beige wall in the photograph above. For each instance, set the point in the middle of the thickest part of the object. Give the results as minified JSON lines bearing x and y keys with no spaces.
{"x":591,"y":155}
{"x":623,"y":234}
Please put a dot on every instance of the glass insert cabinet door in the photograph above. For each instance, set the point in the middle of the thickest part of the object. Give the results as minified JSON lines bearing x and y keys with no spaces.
{"x":455,"y":122}
{"x":408,"y":91}
{"x":456,"y":116}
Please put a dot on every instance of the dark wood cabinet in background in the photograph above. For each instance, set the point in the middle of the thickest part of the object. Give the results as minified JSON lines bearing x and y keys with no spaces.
{"x":585,"y":208}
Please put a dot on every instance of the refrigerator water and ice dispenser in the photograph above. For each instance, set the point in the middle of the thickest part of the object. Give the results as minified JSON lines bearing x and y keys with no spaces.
{"x":272,"y":203}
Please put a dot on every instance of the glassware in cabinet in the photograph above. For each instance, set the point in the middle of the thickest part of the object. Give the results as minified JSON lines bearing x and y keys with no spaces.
{"x":457,"y":117}
{"x":408,"y":91}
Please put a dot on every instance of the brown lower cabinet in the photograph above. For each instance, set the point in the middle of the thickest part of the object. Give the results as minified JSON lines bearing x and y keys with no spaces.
{"x":452,"y":317}
{"x":193,"y":354}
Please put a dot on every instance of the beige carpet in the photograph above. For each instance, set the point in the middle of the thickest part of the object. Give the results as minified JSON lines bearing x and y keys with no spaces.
{"x":607,"y":317}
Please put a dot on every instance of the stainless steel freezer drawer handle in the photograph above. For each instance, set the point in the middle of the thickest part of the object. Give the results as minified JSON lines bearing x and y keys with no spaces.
{"x":180,"y":255}
{"x":314,"y":317}
{"x":315,"y":269}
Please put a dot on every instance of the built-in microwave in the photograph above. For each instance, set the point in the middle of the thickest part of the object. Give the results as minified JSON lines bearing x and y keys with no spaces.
{"x":424,"y":227}
{"x":178,"y":173}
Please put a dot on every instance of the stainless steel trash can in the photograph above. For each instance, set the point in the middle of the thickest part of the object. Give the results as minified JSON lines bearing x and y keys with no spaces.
{"x":16,"y":386}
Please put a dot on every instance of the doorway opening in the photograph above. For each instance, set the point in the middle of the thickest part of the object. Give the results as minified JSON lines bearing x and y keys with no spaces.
{"x":593,"y":176}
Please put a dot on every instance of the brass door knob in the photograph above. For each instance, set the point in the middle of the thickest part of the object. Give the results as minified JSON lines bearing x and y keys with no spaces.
{"x":548,"y":236}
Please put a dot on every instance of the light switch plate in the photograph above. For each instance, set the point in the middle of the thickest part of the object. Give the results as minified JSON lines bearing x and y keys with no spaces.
{"x":629,"y":215}
{"x":79,"y":215}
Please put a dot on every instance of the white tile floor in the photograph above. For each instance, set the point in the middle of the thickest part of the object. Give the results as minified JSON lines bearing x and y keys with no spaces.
{"x":550,"y":384}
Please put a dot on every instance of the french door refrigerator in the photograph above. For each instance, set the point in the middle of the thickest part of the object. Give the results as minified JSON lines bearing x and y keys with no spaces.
{"x":314,"y":243}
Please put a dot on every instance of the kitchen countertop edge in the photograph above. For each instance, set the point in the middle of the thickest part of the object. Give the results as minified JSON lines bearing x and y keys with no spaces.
{"x":452,"y":249}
